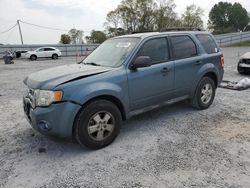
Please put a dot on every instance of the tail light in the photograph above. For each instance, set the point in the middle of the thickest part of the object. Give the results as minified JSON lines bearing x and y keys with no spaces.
{"x":222,"y":61}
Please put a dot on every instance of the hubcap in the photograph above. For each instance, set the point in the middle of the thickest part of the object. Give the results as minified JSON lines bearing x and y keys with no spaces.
{"x":206,"y":93}
{"x":101,"y":125}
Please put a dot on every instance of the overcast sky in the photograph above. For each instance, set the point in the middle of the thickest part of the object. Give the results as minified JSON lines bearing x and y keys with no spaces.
{"x":66,"y":14}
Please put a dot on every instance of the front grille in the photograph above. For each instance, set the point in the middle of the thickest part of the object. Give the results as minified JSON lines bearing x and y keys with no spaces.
{"x":246,"y":61}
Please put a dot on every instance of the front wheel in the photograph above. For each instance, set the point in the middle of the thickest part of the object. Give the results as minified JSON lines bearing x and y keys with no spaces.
{"x":98,"y":124}
{"x":204,"y":94}
{"x":33,"y":57}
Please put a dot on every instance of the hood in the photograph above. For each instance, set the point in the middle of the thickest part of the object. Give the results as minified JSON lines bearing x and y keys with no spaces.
{"x":245,"y":56}
{"x":50,"y":78}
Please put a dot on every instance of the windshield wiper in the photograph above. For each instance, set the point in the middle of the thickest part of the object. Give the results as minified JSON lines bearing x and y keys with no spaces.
{"x":92,"y":63}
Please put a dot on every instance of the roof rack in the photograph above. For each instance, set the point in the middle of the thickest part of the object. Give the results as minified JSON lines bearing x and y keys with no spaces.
{"x":181,"y":29}
{"x":147,"y":31}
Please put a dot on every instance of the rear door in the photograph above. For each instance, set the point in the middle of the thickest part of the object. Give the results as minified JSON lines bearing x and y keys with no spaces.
{"x":151,"y":85}
{"x":49,"y":52}
{"x":188,"y":61}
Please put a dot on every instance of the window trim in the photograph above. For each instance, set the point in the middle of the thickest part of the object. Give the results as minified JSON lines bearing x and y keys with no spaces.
{"x":172,"y":46}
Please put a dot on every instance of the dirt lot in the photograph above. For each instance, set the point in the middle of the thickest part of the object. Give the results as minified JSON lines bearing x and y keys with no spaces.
{"x":175,"y":146}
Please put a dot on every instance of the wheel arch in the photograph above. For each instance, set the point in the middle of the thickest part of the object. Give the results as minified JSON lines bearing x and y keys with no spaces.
{"x":213,"y":76}
{"x":109,"y":98}
{"x":33,"y":55}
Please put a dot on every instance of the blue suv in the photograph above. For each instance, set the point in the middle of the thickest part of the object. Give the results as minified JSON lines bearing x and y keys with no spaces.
{"x":124,"y":76}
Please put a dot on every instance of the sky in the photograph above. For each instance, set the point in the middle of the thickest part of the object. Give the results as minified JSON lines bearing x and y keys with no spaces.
{"x":85,"y":15}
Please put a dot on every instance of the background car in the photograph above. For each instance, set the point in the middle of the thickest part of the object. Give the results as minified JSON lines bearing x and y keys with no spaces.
{"x":20,"y":53}
{"x":244,"y":63}
{"x":44,"y":52}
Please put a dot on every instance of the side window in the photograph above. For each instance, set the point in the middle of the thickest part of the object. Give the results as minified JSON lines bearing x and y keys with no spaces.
{"x":156,"y":49}
{"x":208,"y":43}
{"x":49,"y":49}
{"x":183,"y":47}
{"x":40,"y":50}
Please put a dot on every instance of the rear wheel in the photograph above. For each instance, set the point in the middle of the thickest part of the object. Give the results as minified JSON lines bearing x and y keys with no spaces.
{"x":204,"y":94}
{"x":33,"y":57}
{"x":98,"y":124}
{"x":54,"y":56}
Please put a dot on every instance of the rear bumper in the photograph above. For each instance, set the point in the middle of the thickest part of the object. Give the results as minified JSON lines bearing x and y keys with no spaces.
{"x":55,"y":120}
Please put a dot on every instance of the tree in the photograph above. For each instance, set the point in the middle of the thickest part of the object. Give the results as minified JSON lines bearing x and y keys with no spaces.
{"x":65,"y":39}
{"x":165,"y":16}
{"x":96,"y":37}
{"x":239,"y":17}
{"x":76,"y":36}
{"x":133,"y":15}
{"x":141,"y":16}
{"x":192,"y":17}
{"x":226,"y":17}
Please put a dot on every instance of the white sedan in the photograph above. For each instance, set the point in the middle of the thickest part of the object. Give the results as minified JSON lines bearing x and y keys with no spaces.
{"x":44,"y":52}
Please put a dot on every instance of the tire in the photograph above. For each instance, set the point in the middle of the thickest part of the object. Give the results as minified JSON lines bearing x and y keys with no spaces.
{"x":97,"y":124}
{"x":240,"y":69}
{"x":33,"y":57}
{"x":204,"y":94}
{"x":54,"y":56}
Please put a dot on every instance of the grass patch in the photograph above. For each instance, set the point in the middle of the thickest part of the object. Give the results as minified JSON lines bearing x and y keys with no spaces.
{"x":241,"y":44}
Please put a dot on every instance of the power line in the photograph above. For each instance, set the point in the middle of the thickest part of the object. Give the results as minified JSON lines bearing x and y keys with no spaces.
{"x":2,"y":32}
{"x":44,"y":27}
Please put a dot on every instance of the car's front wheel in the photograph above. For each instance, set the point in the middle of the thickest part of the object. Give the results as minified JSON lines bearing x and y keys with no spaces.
{"x":98,"y":124}
{"x":33,"y":57}
{"x":204,"y":94}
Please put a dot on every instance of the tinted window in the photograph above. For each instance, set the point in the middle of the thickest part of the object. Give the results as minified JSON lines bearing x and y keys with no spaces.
{"x":49,"y":49}
{"x":208,"y":43}
{"x":156,"y":49}
{"x":183,"y":47}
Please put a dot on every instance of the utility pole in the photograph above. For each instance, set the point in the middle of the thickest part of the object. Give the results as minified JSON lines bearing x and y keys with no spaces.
{"x":20,"y":31}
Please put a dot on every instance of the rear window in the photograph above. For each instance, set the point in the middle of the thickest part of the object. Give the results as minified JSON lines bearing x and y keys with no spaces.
{"x":183,"y":47}
{"x":208,"y":43}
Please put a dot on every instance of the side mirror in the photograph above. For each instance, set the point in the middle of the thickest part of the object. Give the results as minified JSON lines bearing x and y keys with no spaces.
{"x":141,"y":61}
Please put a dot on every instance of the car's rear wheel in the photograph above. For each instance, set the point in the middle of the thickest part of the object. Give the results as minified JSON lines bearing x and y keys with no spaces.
{"x":33,"y":57}
{"x":204,"y":94}
{"x":98,"y":124}
{"x":54,"y":56}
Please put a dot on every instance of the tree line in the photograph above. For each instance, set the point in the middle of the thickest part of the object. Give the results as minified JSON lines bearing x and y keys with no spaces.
{"x":132,"y":16}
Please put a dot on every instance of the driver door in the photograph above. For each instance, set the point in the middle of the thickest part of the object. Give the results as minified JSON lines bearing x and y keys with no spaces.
{"x":40,"y":52}
{"x":151,"y":85}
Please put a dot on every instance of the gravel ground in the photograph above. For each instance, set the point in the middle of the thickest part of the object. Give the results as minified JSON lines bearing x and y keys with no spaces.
{"x":174,"y":146}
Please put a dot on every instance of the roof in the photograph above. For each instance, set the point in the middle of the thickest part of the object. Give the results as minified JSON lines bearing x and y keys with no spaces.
{"x":149,"y":34}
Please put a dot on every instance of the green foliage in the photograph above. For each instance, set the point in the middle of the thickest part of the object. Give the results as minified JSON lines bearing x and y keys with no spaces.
{"x":192,"y":17}
{"x":65,"y":39}
{"x":96,"y":37}
{"x":149,"y":15}
{"x":226,"y":17}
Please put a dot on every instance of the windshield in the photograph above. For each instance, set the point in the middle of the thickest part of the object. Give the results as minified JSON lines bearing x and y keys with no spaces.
{"x":112,"y":53}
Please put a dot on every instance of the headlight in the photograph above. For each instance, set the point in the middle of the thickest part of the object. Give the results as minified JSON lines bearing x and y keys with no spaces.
{"x":45,"y":97}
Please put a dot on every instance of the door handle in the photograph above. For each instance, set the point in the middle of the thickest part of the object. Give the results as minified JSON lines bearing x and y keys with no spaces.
{"x":198,"y":62}
{"x":165,"y":70}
